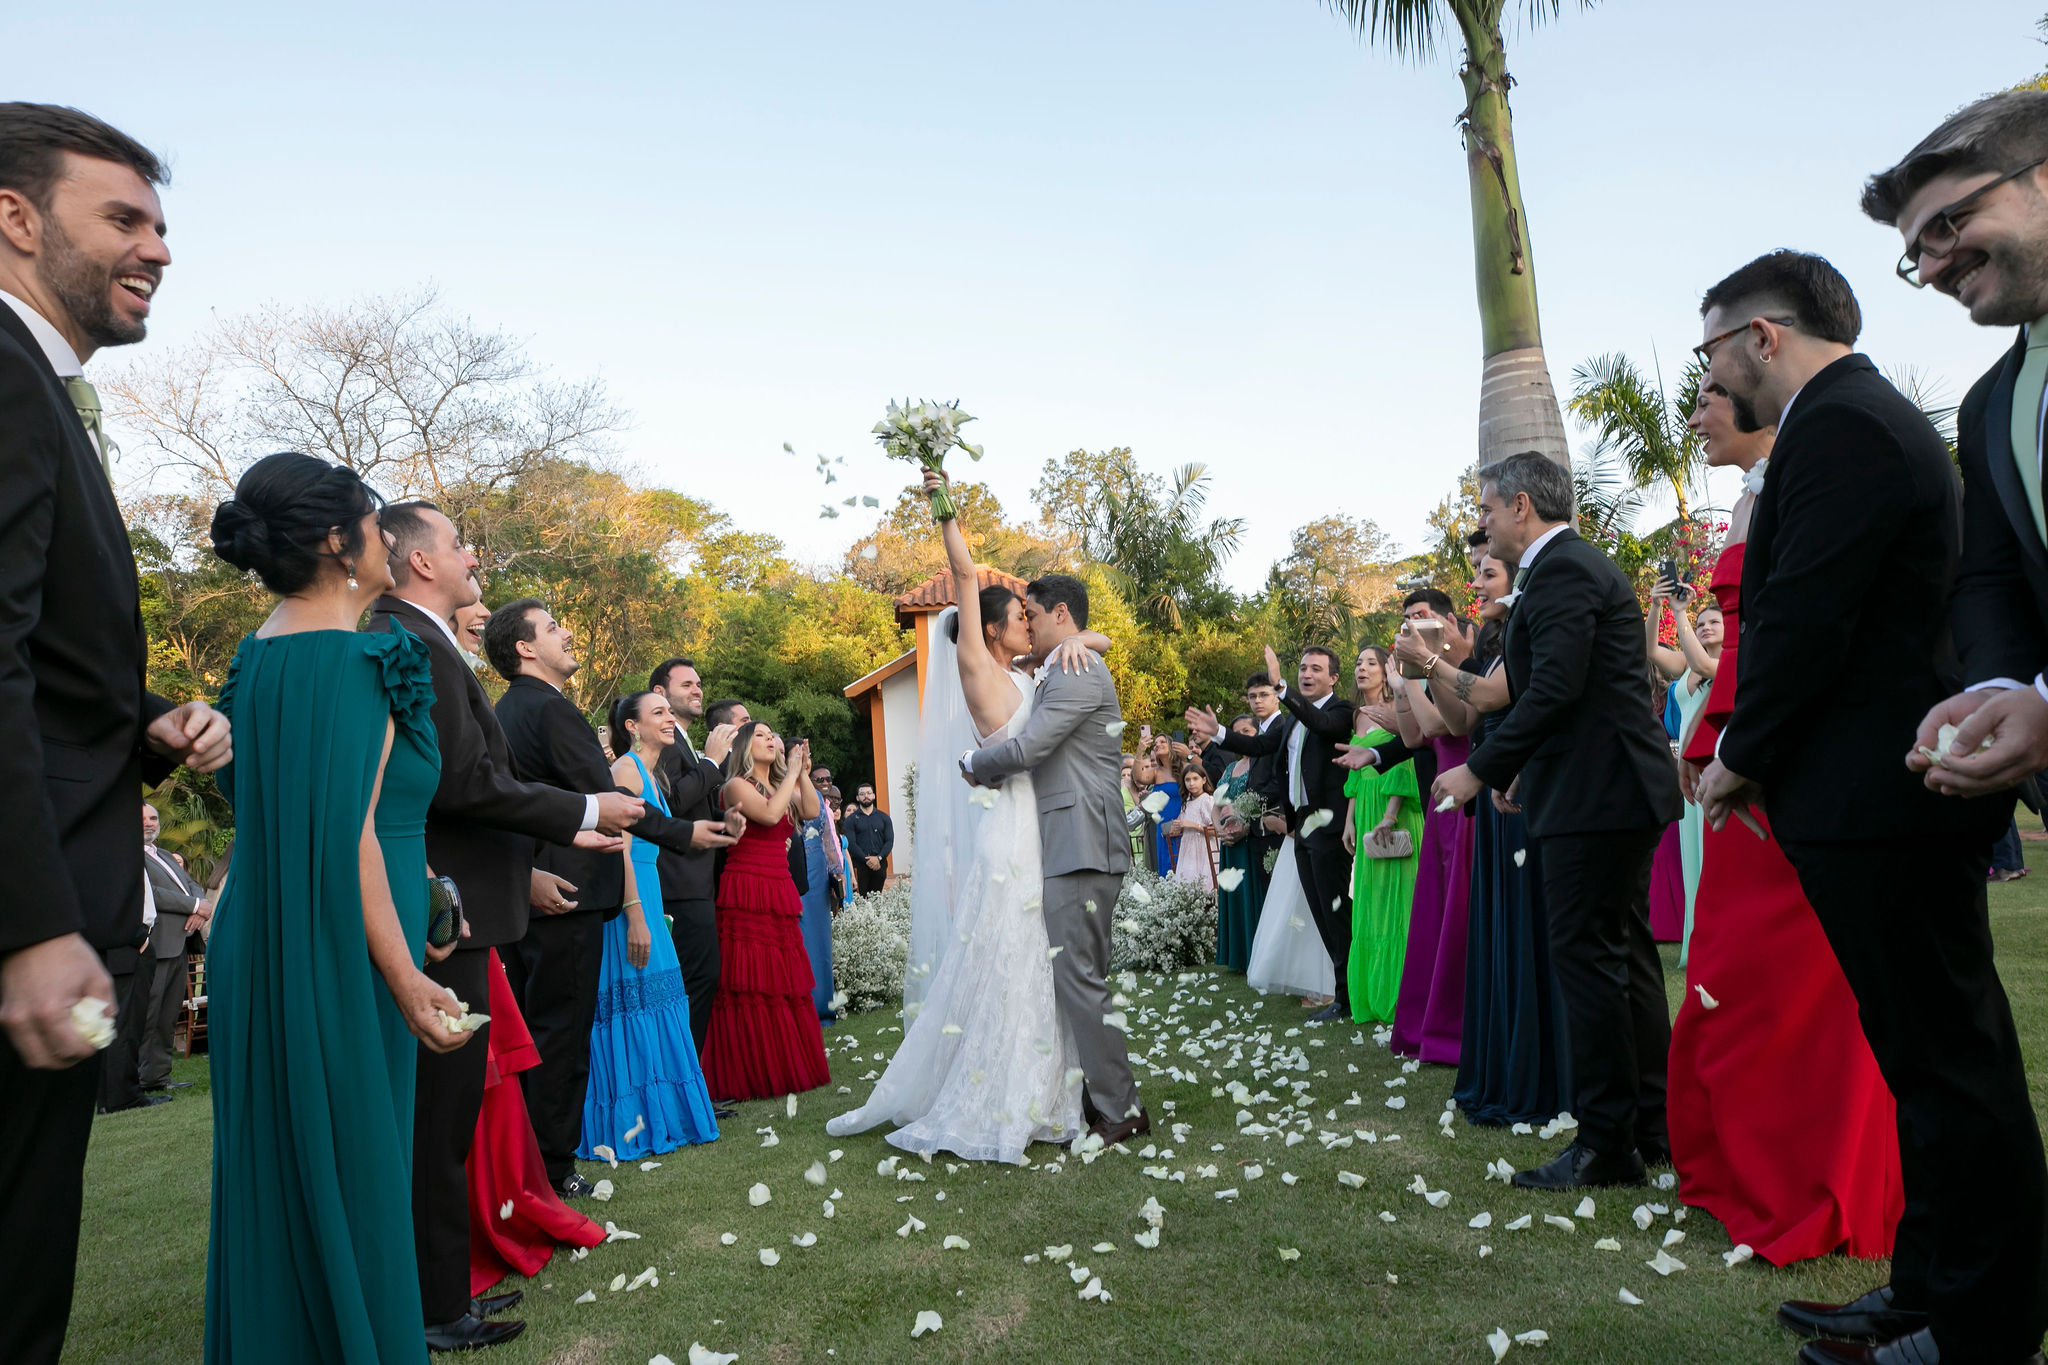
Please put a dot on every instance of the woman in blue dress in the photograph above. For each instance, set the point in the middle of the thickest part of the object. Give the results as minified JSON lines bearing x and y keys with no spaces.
{"x":317,"y":992}
{"x":646,"y":1092}
{"x":1159,"y":780}
{"x":817,"y":920}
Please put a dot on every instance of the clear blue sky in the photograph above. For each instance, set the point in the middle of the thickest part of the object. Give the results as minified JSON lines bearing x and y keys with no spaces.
{"x":1224,"y":232}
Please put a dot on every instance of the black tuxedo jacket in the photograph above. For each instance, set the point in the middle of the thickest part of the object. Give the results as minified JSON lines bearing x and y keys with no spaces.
{"x":2000,"y":612}
{"x":1322,"y":781}
{"x":693,"y":794}
{"x":1853,"y":551}
{"x":483,"y":821}
{"x":1592,"y":756}
{"x":72,"y":655}
{"x":552,"y":743}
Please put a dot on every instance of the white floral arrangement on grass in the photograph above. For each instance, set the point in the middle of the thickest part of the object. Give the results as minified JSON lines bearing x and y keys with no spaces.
{"x":922,"y":433}
{"x":1162,"y":925}
{"x":871,"y":947}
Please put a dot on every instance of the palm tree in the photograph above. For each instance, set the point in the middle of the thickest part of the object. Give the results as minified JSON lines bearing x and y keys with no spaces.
{"x":1641,"y":426}
{"x":1517,"y":404}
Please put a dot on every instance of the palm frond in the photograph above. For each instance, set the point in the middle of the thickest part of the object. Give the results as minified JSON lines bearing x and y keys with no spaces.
{"x":1417,"y":29}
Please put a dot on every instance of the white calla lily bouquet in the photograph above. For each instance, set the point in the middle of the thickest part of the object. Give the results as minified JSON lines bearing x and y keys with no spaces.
{"x":922,"y":433}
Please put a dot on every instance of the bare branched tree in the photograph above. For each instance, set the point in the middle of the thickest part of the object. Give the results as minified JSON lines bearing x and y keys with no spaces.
{"x":413,"y":397}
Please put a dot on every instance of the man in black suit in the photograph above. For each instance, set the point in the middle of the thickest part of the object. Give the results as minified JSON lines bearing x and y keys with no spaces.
{"x":1585,"y":757}
{"x":481,"y":828}
{"x":554,"y":969}
{"x":1268,"y":773}
{"x":1971,"y":203}
{"x":1861,"y":491}
{"x":689,"y":881}
{"x":1314,"y":797}
{"x":81,"y":254}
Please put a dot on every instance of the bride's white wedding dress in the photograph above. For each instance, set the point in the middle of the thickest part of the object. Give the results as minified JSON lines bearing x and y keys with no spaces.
{"x":983,"y":1070}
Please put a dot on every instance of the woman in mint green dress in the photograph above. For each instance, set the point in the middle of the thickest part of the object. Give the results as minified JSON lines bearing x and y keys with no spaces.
{"x":1690,"y":670}
{"x":1382,"y":805}
{"x":316,"y":990}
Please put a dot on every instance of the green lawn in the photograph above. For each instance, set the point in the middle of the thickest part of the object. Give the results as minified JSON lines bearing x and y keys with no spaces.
{"x":1215,"y":1289}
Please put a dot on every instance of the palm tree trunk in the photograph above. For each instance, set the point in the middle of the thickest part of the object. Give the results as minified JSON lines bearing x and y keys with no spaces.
{"x":1517,"y":404}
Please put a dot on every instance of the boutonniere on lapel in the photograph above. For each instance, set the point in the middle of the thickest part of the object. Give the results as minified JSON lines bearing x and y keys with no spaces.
{"x":1508,"y":602}
{"x":1038,"y":678}
{"x":1753,"y":477}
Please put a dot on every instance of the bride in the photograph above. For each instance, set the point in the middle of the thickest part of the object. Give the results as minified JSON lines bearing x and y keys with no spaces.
{"x":985,"y":1066}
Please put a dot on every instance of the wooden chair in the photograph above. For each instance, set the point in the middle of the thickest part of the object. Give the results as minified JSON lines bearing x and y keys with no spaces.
{"x":193,"y":1020}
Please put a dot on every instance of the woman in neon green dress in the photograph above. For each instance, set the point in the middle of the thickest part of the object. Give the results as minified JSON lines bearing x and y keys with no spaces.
{"x":317,"y":995}
{"x":1382,"y":805}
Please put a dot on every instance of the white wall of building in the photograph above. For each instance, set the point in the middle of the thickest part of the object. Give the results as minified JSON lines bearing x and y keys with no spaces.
{"x":899,"y":734}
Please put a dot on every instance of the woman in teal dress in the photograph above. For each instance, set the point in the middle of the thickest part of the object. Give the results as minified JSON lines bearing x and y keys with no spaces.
{"x":1237,"y":908}
{"x":1690,"y":670}
{"x":316,"y":990}
{"x":1382,"y":806}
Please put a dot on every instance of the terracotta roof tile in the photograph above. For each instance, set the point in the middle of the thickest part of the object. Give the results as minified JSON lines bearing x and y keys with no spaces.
{"x":938,"y":592}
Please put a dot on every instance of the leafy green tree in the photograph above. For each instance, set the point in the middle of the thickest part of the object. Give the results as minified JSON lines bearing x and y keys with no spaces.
{"x":1339,"y":571}
{"x":1641,"y":426}
{"x":1517,"y":405}
{"x":905,"y":549}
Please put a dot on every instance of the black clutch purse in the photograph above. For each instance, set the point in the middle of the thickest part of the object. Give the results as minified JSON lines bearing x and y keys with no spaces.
{"x":444,"y":911}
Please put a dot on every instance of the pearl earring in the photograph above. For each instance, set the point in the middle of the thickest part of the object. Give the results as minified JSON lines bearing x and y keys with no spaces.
{"x":350,"y":564}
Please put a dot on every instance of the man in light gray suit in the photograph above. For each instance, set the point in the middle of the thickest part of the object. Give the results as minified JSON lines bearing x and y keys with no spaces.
{"x":1070,"y":748}
{"x":182,"y":910}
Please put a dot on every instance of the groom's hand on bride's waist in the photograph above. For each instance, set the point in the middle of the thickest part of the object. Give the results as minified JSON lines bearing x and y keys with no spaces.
{"x":967,"y":772}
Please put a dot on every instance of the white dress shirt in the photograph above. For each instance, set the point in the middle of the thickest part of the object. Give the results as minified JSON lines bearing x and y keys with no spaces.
{"x":56,"y":349}
{"x":1536,"y":546}
{"x":589,"y":801}
{"x":1297,"y":790}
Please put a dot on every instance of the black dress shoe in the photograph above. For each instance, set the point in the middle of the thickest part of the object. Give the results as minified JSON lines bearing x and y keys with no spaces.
{"x":490,"y":1305}
{"x":574,"y":1186}
{"x":722,"y":1113}
{"x":1654,"y":1155}
{"x":1915,"y":1348}
{"x":1328,"y":1014}
{"x":167,"y":1085}
{"x":1870,"y":1318}
{"x":471,"y":1333}
{"x":1579,"y":1167}
{"x":142,"y":1102}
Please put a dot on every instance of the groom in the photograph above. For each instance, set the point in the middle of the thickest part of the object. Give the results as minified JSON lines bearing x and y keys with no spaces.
{"x":1070,"y":748}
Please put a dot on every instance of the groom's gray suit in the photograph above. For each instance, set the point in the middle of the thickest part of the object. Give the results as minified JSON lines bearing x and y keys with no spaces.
{"x":1075,"y":765}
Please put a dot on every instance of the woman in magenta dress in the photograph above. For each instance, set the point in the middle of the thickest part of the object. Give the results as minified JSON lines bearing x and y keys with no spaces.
{"x":765,"y":1039}
{"x":1781,"y":1125}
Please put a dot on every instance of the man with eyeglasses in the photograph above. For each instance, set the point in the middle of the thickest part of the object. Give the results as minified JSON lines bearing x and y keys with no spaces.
{"x":1860,"y":490}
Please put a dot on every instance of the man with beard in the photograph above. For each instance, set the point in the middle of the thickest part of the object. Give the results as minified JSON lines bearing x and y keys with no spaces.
{"x":81,"y":254}
{"x":689,"y":881}
{"x":1860,"y":491}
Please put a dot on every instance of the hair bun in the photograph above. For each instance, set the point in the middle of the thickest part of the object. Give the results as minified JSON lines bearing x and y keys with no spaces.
{"x":241,"y":537}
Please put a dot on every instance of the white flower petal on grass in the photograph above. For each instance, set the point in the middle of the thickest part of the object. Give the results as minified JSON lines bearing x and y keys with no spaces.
{"x":1397,"y":1102}
{"x":887,"y":1166}
{"x":579,"y":1253}
{"x":504,"y":1210}
{"x":1519,"y":1224}
{"x":618,"y":1283}
{"x":1063,"y":1251}
{"x":1484,"y":1252}
{"x":1673,"y":1237}
{"x":1630,"y":1299}
{"x":770,"y":1257}
{"x":927,"y":1321}
{"x":816,"y":1173}
{"x":1664,"y":1263}
{"x":602,"y":1190}
{"x":1585,"y":1208}
{"x":1559,"y":1221}
{"x":646,"y":1166}
{"x":1289,"y":1178}
{"x":1480,"y":1220}
{"x":831,"y":1209}
{"x":771,"y":1140}
{"x":1501,"y":1171}
{"x":1351,"y":1180}
{"x":645,"y":1277}
{"x":1148,"y":1239}
{"x":726,"y":1239}
{"x":607,"y":1154}
{"x":1094,"y":1290}
{"x":808,"y":1240}
{"x":1707,"y":1002}
{"x":1077,"y":1273}
{"x":789,"y":1106}
{"x":1532,"y":1338}
{"x":1103,"y":1248}
{"x":1522,"y":1129}
{"x":1642,"y":1217}
{"x":955,"y":1242}
{"x":587,"y":1296}
{"x":1290,"y":1253}
{"x":1742,"y":1252}
{"x":1665,"y":1180}
{"x":614,"y":1233}
{"x":1386,"y":1217}
{"x":915,"y":1224}
{"x":759,"y":1195}
{"x":701,"y":1355}
{"x":1438,"y":1199}
{"x":1499,"y":1340}
{"x":1227,"y":1194}
{"x":89,"y":1017}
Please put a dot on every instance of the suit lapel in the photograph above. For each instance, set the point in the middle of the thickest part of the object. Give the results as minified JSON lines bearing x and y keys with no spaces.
{"x":2005,"y":477}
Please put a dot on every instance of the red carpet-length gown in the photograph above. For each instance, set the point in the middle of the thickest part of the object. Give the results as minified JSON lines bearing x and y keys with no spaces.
{"x":764,"y":1039}
{"x":505,"y":1165}
{"x":1781,"y":1126}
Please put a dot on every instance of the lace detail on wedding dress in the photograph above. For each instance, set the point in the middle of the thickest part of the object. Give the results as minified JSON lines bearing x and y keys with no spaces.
{"x":983,"y":1069}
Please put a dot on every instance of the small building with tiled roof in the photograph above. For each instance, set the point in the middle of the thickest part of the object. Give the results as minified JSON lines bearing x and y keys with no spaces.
{"x":893,"y":695}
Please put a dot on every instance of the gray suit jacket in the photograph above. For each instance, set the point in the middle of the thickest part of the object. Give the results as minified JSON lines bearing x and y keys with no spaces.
{"x":177,"y":896}
{"x":1075,"y":764}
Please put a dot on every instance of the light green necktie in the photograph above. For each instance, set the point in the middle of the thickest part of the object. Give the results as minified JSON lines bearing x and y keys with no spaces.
{"x":86,"y":399}
{"x":2026,"y":421}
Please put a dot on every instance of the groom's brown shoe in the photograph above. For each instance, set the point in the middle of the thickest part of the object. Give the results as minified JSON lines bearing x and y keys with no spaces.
{"x":1112,"y":1133}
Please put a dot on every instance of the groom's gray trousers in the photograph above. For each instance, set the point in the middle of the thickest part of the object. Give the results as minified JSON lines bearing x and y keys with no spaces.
{"x":1080,"y":985}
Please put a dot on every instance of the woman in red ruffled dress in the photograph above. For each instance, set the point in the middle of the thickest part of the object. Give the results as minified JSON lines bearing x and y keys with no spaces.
{"x":1781,"y":1126}
{"x":764,"y":1039}
{"x":515,"y":1218}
